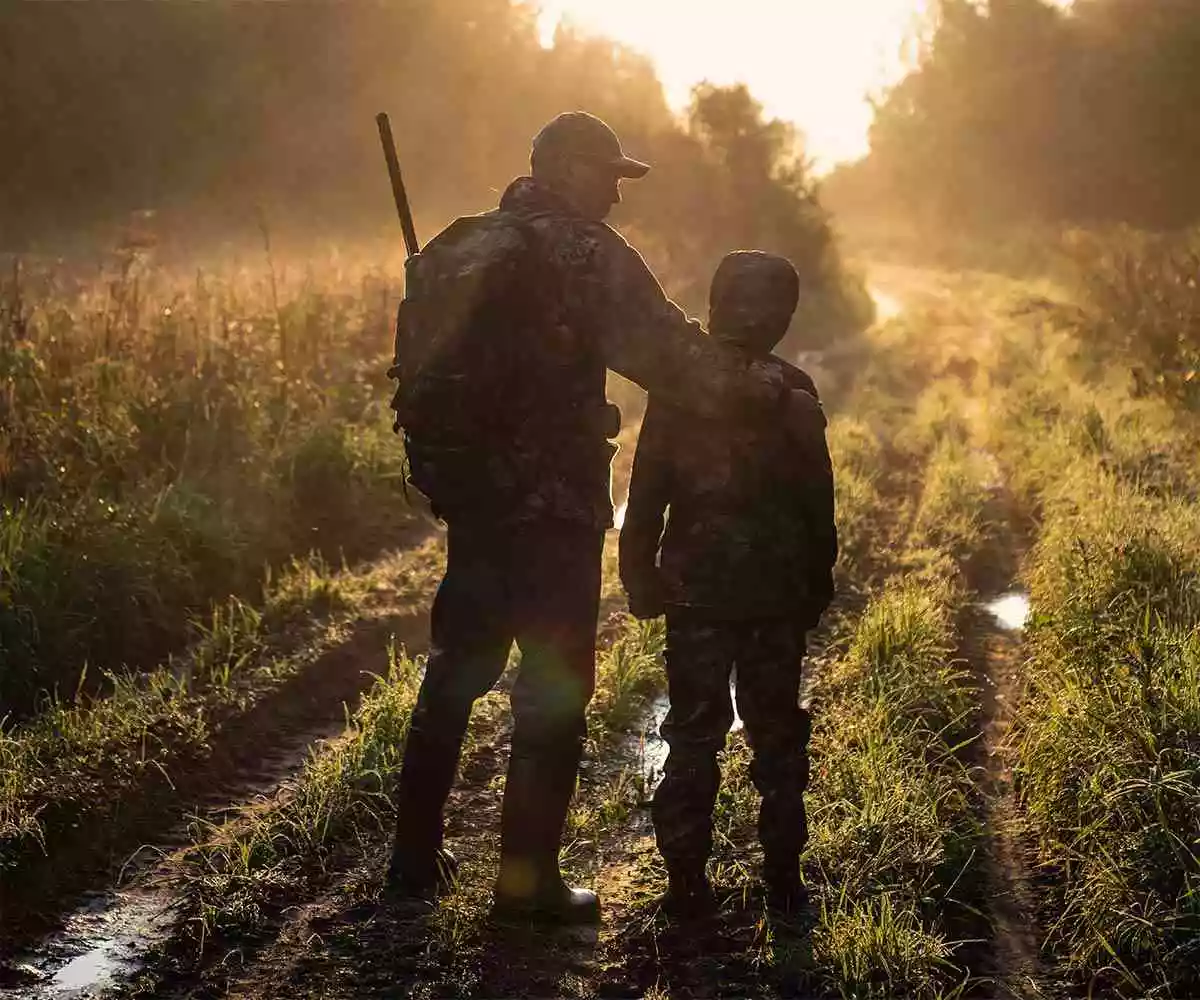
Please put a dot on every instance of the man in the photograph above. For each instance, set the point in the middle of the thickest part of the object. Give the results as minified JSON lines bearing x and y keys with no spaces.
{"x":522,"y":481}
{"x":746,"y":568}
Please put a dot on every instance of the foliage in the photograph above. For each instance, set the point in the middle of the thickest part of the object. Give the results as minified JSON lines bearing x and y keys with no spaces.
{"x":85,"y":761}
{"x":1029,"y":111}
{"x":1142,"y":305}
{"x":198,"y":116}
{"x":156,"y":454}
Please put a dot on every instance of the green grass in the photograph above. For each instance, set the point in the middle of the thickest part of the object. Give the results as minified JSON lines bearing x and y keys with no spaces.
{"x":237,"y":870}
{"x":629,"y":673}
{"x":97,"y":762}
{"x":891,"y":827}
{"x":157,"y":451}
{"x":1105,"y":741}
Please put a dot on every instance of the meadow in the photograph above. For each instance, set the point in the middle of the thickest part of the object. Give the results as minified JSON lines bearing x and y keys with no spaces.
{"x":204,"y":527}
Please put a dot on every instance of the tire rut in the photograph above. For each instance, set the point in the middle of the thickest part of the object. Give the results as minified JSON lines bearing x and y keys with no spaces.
{"x":79,"y":910}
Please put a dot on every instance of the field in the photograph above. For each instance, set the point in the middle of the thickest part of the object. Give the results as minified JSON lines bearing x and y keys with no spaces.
{"x":212,"y":601}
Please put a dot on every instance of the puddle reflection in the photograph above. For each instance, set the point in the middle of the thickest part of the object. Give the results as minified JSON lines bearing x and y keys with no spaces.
{"x":104,"y":942}
{"x":1011,"y":611}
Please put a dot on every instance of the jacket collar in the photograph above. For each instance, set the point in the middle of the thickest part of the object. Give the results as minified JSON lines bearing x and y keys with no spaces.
{"x":527,"y":196}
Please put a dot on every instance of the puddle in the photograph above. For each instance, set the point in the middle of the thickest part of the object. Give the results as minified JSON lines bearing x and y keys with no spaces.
{"x":886,"y":306}
{"x":1011,"y":611}
{"x":654,"y":748}
{"x":104,"y":943}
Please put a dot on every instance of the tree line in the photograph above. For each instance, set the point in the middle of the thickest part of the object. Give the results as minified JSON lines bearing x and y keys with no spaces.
{"x":207,"y":113}
{"x":1028,"y":112}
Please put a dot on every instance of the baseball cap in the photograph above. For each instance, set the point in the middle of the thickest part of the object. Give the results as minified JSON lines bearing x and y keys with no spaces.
{"x":578,"y":135}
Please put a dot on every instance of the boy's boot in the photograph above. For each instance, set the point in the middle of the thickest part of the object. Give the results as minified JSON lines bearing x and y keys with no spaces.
{"x":689,"y":894}
{"x":530,"y":887}
{"x":786,"y":893}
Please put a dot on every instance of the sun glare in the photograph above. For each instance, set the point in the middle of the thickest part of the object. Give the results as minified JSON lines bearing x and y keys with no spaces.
{"x":814,"y":62}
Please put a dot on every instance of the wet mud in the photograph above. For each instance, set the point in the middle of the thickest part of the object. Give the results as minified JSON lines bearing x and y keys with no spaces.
{"x":107,"y":934}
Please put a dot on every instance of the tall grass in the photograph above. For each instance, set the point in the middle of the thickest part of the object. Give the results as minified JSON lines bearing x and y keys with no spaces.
{"x":891,"y":828}
{"x":1103,"y":740}
{"x":1142,"y":306}
{"x":238,"y":869}
{"x":85,"y":762}
{"x":157,"y":450}
{"x":1106,"y":736}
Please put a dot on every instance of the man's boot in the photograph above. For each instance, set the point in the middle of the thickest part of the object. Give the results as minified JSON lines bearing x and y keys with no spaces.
{"x":420,"y":866}
{"x":530,"y":887}
{"x":689,"y":894}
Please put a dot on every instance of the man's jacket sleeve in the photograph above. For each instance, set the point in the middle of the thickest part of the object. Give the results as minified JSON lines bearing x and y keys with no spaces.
{"x":649,"y":495}
{"x":647,"y":338}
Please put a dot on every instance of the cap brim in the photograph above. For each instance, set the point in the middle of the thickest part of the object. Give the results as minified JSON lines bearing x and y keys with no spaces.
{"x":633,"y":169}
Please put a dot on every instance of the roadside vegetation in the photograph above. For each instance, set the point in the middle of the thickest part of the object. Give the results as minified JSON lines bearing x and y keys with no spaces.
{"x":164,"y":441}
{"x":1076,"y":407}
{"x":85,"y":781}
{"x":1104,"y":456}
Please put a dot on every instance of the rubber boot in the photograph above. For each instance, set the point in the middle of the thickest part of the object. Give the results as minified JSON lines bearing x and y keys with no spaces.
{"x":530,"y":887}
{"x":689,"y":895}
{"x":420,"y":866}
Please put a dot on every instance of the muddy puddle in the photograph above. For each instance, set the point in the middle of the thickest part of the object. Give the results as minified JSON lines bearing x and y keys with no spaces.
{"x":653,"y":748}
{"x":104,"y":943}
{"x":109,"y":935}
{"x":1010,"y":611}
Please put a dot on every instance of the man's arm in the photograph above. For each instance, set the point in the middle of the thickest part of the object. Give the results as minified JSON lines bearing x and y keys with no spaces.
{"x":648,"y":339}
{"x":641,"y":534}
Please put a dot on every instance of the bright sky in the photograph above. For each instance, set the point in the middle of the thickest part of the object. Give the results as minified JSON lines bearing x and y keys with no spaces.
{"x":812,"y":62}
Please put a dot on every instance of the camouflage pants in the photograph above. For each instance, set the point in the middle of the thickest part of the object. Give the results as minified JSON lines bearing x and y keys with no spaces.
{"x":701,"y":654}
{"x":537,"y":584}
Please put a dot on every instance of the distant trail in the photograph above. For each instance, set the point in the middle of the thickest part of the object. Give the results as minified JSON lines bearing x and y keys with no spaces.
{"x":991,"y":644}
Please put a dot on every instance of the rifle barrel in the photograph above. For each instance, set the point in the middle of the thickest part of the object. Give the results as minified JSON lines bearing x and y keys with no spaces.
{"x":398,"y":192}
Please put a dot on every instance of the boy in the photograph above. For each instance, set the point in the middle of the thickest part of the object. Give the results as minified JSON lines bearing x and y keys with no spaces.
{"x":745,"y":570}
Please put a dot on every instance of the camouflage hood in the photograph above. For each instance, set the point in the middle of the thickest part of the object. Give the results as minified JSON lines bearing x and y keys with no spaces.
{"x":752,"y":298}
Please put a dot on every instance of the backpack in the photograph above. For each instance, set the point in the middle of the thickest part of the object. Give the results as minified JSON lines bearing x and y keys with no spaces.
{"x":466,"y":298}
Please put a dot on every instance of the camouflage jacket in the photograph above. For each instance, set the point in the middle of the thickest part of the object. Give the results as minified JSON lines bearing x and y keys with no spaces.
{"x":750,"y":531}
{"x":592,"y":304}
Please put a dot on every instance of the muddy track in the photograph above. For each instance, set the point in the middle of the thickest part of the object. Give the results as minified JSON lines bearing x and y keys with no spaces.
{"x":1007,"y":961}
{"x":249,"y":754}
{"x":1007,"y":957}
{"x":341,"y":929}
{"x":340,"y":934}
